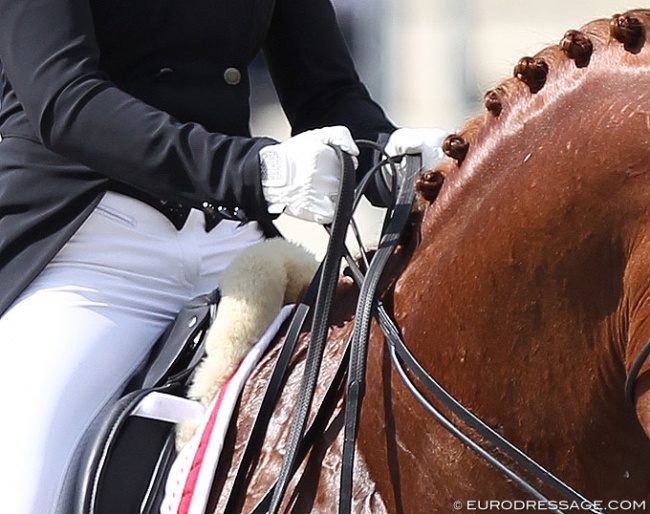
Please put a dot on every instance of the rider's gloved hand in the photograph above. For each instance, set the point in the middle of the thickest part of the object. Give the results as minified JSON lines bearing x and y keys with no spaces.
{"x":301,"y":175}
{"x":424,"y":141}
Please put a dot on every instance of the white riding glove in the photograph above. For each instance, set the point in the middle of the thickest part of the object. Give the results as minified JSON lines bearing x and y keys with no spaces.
{"x":424,"y":141}
{"x":301,"y":175}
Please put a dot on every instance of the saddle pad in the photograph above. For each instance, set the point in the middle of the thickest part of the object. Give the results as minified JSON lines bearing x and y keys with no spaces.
{"x":190,"y":477}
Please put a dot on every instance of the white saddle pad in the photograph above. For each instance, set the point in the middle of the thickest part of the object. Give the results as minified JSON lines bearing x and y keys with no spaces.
{"x":191,"y":475}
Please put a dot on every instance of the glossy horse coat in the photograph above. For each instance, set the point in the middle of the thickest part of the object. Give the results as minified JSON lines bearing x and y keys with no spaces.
{"x":526,"y":294}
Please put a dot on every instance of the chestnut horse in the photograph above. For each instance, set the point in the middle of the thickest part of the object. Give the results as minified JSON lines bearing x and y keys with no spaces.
{"x":524,"y":289}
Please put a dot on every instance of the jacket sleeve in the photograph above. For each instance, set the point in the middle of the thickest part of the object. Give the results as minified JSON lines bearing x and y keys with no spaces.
{"x":51,"y":58}
{"x":315,"y":77}
{"x":314,"y":74}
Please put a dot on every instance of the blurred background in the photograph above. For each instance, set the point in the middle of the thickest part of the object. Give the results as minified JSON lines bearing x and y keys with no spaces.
{"x":429,"y":62}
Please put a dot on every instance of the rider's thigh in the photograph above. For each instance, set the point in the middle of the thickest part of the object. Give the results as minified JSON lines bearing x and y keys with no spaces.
{"x":71,"y":341}
{"x":64,"y":357}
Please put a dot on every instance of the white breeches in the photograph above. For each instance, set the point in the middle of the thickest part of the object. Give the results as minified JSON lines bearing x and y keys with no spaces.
{"x":75,"y":336}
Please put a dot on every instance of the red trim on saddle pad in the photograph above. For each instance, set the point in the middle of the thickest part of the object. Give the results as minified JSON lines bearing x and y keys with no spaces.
{"x":190,"y":478}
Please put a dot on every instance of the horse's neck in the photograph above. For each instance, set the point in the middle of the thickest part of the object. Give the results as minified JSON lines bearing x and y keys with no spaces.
{"x":553,"y":195}
{"x":535,"y":248}
{"x":529,"y":285}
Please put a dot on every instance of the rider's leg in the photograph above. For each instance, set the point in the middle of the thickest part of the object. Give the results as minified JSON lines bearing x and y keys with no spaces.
{"x":73,"y":338}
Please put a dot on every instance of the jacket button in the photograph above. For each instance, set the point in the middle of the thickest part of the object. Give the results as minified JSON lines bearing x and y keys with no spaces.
{"x":232,"y":76}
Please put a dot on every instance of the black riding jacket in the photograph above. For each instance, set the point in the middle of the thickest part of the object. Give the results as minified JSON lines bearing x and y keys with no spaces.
{"x":152,"y":97}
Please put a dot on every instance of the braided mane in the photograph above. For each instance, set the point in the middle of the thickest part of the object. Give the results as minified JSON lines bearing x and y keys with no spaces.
{"x":537,"y":80}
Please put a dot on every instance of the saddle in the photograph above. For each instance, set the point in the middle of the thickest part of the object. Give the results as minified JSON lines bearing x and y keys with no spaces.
{"x":124,"y":458}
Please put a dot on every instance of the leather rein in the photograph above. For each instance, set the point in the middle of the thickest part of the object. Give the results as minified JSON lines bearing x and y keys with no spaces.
{"x":353,"y":363}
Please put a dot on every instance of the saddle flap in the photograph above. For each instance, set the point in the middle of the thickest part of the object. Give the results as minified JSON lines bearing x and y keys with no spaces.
{"x":179,"y":348}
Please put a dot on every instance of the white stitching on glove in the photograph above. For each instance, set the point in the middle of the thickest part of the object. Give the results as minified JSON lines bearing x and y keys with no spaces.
{"x":301,"y":175}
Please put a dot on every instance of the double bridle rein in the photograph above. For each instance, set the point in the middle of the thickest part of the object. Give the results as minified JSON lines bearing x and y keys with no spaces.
{"x":353,"y":363}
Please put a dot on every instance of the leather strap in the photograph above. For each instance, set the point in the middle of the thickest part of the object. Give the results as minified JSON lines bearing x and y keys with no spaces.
{"x":360,"y":332}
{"x":262,"y":419}
{"x":319,"y":329}
{"x":300,"y":445}
{"x":634,"y":372}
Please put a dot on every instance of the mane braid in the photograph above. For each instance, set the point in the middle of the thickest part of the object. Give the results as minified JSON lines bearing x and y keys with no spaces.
{"x":617,"y":38}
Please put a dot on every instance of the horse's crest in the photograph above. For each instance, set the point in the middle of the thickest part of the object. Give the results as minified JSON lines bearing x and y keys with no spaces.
{"x":555,"y":71}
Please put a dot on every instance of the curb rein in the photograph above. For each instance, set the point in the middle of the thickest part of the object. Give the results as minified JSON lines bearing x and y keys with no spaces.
{"x":353,"y":363}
